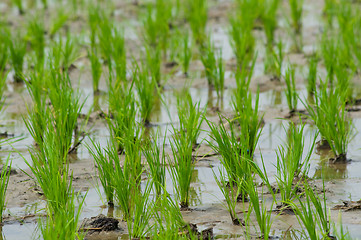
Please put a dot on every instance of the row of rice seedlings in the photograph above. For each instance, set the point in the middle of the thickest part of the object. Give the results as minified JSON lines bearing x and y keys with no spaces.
{"x":292,"y":167}
{"x":291,"y":92}
{"x":242,"y":40}
{"x":274,"y":60}
{"x":330,"y":116}
{"x":197,"y":16}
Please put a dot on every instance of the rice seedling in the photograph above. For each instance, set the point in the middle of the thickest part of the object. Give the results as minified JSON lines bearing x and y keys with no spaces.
{"x":329,"y":47}
{"x":59,"y":20}
{"x":330,"y":117}
{"x":17,"y":47}
{"x":262,"y":212}
{"x":241,"y":41}
{"x":312,"y":75}
{"x":70,"y":51}
{"x":96,"y":70}
{"x":190,"y":117}
{"x":291,"y":92}
{"x":119,"y":55}
{"x":339,"y":231}
{"x":146,"y":89}
{"x":105,"y":167}
{"x":292,"y":167}
{"x":155,"y":156}
{"x":330,"y":10}
{"x":4,"y":181}
{"x":93,"y":19}
{"x":122,"y":109}
{"x":142,"y":211}
{"x":36,"y":30}
{"x":19,"y":5}
{"x":248,"y":119}
{"x":274,"y":61}
{"x":181,"y":166}
{"x":186,"y":53}
{"x":4,"y":53}
{"x":230,"y":191}
{"x":66,"y":107}
{"x":234,"y":156}
{"x":312,"y":213}
{"x":296,"y":14}
{"x":127,"y":180}
{"x":269,"y":20}
{"x":154,"y":64}
{"x":197,"y":16}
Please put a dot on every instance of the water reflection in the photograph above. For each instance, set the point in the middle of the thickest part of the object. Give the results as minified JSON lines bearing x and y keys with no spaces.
{"x":327,"y":170}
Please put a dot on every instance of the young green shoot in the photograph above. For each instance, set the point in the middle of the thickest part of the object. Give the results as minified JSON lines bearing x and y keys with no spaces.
{"x":291,"y":92}
{"x":312,"y":75}
{"x":296,"y":15}
{"x":269,"y":20}
{"x":96,"y":70}
{"x":4,"y":181}
{"x":17,"y":47}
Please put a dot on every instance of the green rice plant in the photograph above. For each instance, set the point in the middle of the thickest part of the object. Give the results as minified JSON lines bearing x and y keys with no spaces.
{"x":181,"y":166}
{"x":17,"y":47}
{"x":234,"y":156}
{"x":329,"y":115}
{"x":66,"y":107}
{"x":312,"y":213}
{"x":312,"y":75}
{"x":127,"y":178}
{"x":154,"y":64}
{"x":169,"y":222}
{"x":19,"y":5}
{"x":269,"y":19}
{"x":209,"y":61}
{"x":105,"y":167}
{"x":123,"y":112}
{"x":186,"y":53}
{"x":291,"y":166}
{"x":274,"y":60}
{"x":242,"y":41}
{"x":58,"y":21}
{"x":291,"y":92}
{"x":36,"y":35}
{"x":96,"y":70}
{"x":190,"y":117}
{"x":4,"y":181}
{"x":262,"y":212}
{"x":64,"y":224}
{"x":219,"y":72}
{"x":70,"y":51}
{"x":119,"y":55}
{"x":4,"y":52}
{"x":3,"y":77}
{"x":248,"y":119}
{"x":155,"y":156}
{"x":156,"y":25}
{"x":94,"y":17}
{"x":142,"y":211}
{"x":306,"y":217}
{"x":230,"y":192}
{"x":339,"y":231}
{"x":329,"y":46}
{"x":197,"y":16}
{"x":146,"y":89}
{"x":330,"y":10}
{"x":296,"y":14}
